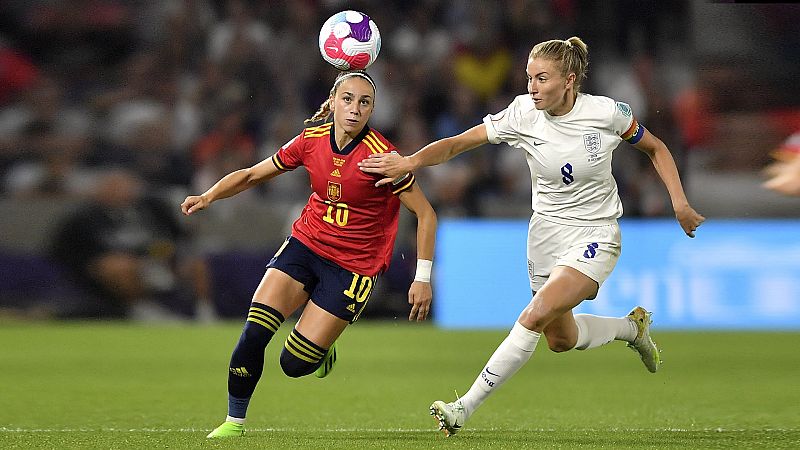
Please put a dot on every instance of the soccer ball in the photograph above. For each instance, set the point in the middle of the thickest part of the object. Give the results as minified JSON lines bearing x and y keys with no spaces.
{"x":349,"y":40}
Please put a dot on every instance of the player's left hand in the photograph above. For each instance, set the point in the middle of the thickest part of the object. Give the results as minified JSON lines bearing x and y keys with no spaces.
{"x":689,"y":219}
{"x":420,"y":295}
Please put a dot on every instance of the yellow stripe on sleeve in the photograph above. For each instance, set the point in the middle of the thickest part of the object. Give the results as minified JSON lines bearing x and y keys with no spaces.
{"x":370,"y":145}
{"x":405,"y":185}
{"x":278,"y":163}
{"x":381,"y":146}
{"x":318,"y":134}
{"x":318,"y":131}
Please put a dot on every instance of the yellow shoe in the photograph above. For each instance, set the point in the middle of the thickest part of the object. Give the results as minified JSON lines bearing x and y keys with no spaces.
{"x":643,"y":344}
{"x":226,"y":430}
{"x":327,"y":363}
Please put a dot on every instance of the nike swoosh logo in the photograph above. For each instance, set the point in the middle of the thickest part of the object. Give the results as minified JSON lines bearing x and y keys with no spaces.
{"x":489,"y":372}
{"x":536,"y":144}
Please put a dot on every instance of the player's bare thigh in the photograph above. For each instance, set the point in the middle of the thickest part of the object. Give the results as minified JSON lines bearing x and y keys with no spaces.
{"x":320,"y":326}
{"x":280,"y":291}
{"x":284,"y":293}
{"x":564,"y":289}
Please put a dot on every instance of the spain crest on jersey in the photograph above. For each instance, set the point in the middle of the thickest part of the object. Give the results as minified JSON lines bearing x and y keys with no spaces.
{"x":334,"y":191}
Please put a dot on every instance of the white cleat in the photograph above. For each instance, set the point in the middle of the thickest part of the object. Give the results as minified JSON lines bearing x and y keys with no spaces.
{"x":643,"y":344}
{"x":449,"y":415}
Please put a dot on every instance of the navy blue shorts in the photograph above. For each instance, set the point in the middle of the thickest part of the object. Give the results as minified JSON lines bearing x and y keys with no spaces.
{"x":334,"y":289}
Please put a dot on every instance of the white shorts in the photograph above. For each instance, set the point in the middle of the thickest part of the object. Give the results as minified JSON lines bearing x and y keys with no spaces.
{"x":591,"y":250}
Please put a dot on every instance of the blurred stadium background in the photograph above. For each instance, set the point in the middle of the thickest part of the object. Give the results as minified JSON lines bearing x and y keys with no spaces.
{"x":112,"y":111}
{"x":158,"y":99}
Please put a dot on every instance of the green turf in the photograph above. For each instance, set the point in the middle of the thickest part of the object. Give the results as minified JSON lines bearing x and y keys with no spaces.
{"x":107,"y":385}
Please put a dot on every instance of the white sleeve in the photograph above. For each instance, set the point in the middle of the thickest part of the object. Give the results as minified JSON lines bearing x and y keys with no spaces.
{"x":624,"y":123}
{"x":621,"y":118}
{"x":504,"y":126}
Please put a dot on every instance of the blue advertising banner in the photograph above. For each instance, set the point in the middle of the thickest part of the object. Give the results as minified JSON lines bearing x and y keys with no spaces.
{"x":736,"y":274}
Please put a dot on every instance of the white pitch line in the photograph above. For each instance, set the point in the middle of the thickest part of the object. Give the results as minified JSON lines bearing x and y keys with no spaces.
{"x":394,"y":430}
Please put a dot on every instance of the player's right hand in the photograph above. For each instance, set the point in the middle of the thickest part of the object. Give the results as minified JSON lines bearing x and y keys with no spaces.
{"x":420,"y":296}
{"x":194,"y":203}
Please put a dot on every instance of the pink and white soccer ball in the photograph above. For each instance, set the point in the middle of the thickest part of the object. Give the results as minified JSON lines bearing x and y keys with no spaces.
{"x":349,"y":40}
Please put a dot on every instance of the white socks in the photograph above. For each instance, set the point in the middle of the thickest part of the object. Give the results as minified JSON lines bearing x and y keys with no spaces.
{"x":594,"y":331}
{"x":518,"y":347}
{"x":512,"y":354}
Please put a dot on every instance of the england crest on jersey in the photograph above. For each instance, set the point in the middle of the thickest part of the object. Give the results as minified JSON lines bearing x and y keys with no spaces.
{"x":592,"y":142}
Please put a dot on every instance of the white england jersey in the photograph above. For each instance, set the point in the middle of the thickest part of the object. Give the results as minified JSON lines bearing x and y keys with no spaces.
{"x":569,"y":156}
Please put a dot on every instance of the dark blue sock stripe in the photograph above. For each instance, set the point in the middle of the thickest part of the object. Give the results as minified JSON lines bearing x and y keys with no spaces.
{"x":237,"y":407}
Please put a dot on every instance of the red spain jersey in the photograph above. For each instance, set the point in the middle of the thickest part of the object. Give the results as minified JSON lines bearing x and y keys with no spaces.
{"x":347,"y":219}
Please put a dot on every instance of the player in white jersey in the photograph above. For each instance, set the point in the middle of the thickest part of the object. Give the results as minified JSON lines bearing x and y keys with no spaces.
{"x":573,"y":239}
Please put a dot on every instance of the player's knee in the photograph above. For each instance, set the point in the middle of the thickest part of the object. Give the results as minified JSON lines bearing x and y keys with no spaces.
{"x":259,"y":332}
{"x":559,"y":344}
{"x":255,"y":336}
{"x":532,"y":319}
{"x":295,"y":367}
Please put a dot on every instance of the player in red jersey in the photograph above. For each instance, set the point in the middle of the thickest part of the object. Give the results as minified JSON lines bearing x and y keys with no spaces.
{"x":342,"y":241}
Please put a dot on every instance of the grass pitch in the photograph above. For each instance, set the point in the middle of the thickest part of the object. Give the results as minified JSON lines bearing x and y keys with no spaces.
{"x":116,"y":385}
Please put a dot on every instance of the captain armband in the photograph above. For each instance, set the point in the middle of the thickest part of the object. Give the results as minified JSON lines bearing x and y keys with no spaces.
{"x":423,"y":270}
{"x":634,"y":134}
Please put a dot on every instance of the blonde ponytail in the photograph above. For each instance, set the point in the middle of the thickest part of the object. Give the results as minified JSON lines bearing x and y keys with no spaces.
{"x":572,"y":54}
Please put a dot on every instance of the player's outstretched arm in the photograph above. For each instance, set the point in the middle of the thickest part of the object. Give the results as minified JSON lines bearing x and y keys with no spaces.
{"x":392,"y":165}
{"x":659,"y":154}
{"x":784,"y":177}
{"x":420,"y":293}
{"x":387,"y":164}
{"x":231,"y":184}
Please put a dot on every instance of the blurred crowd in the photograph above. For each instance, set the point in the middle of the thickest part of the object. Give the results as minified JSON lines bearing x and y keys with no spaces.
{"x":181,"y":92}
{"x":158,"y":99}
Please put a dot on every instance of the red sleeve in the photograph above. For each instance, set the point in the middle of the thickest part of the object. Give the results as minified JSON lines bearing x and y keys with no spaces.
{"x":377,"y":143}
{"x":290,"y":156}
{"x":403,"y":183}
